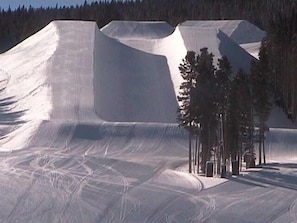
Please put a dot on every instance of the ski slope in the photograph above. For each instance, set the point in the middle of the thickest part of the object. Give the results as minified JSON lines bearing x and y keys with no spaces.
{"x":88,"y":132}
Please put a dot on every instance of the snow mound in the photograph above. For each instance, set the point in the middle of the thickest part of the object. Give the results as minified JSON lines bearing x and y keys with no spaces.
{"x":179,"y":179}
{"x":70,"y":72}
{"x":25,"y":94}
{"x":241,"y":31}
{"x":137,"y":29}
{"x":217,"y":43}
{"x":22,"y":66}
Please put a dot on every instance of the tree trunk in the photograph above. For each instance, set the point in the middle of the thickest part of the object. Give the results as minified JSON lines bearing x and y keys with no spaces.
{"x":193,"y":156}
{"x":225,"y":143}
{"x":264,"y":154}
{"x":190,"y":151}
{"x":196,"y":148}
{"x":260,"y":144}
{"x":240,"y":157}
{"x":198,"y":158}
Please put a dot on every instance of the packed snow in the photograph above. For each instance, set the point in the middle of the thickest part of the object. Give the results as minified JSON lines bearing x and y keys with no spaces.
{"x":89,"y":133}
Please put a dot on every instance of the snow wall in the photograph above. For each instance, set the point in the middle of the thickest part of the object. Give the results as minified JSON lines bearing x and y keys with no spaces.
{"x":131,"y":85}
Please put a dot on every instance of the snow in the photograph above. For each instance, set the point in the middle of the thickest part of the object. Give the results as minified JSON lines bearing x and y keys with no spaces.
{"x":247,"y":35}
{"x":138,"y":90}
{"x":138,"y":30}
{"x":88,"y":132}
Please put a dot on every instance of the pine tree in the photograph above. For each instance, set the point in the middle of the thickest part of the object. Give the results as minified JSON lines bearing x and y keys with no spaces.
{"x":186,"y":115}
{"x":223,"y":81}
{"x":241,"y":120}
{"x":261,"y":93}
{"x":206,"y":103}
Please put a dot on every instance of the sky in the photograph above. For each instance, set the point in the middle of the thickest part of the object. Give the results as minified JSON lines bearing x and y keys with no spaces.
{"x":4,"y":4}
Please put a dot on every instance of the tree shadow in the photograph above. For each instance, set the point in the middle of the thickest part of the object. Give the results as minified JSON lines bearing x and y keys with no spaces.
{"x":7,"y":116}
{"x":272,"y":175}
{"x":244,"y":180}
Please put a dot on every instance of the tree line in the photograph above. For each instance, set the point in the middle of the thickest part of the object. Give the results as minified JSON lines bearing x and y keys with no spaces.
{"x":18,"y":24}
{"x":222,"y":108}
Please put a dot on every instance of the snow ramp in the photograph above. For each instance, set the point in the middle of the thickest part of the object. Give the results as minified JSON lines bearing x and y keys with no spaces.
{"x":131,"y":85}
{"x":70,"y":72}
{"x":170,"y":46}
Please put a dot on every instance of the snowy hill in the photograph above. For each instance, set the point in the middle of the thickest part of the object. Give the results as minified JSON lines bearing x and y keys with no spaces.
{"x":88,"y":130}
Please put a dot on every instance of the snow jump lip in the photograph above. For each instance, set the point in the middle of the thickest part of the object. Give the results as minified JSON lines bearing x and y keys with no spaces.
{"x":137,"y":29}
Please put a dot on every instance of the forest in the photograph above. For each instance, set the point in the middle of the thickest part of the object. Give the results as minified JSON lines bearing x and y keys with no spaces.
{"x":223,"y":109}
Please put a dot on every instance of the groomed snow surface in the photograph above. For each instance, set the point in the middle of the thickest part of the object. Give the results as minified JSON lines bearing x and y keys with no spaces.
{"x":89,"y":134}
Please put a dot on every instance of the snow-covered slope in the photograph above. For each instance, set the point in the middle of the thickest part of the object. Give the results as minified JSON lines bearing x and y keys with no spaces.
{"x":218,"y":43}
{"x":26,"y":96}
{"x":171,"y":46}
{"x":241,"y":31}
{"x":91,"y":117}
{"x":220,"y":37}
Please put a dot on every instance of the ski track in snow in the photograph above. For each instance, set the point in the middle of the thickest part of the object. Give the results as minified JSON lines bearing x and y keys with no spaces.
{"x":61,"y":161}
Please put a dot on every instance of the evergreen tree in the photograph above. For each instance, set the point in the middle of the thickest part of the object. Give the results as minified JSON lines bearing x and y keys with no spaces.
{"x":186,"y":116}
{"x":223,"y":79}
{"x":241,"y":120}
{"x":209,"y":98}
{"x":261,"y":92}
{"x":206,"y":103}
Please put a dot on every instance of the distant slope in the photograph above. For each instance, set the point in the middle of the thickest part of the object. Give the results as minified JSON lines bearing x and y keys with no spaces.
{"x":137,"y":30}
{"x":217,"y":43}
{"x":221,"y":38}
{"x":242,"y":32}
